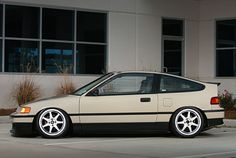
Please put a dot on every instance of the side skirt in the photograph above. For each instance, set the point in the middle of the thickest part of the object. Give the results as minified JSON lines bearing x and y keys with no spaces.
{"x":117,"y":128}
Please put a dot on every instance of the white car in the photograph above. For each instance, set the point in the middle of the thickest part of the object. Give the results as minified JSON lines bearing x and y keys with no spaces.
{"x":125,"y":102}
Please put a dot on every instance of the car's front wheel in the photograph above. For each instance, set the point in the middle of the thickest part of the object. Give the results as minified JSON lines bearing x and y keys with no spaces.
{"x":187,"y":122}
{"x":52,"y":123}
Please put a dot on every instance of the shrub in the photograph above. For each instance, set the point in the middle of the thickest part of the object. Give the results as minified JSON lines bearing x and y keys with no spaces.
{"x":226,"y":100}
{"x":25,"y":91}
{"x":65,"y":87}
{"x":5,"y":112}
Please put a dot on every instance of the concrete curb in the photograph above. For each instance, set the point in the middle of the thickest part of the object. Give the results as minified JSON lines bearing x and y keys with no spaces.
{"x":229,"y":123}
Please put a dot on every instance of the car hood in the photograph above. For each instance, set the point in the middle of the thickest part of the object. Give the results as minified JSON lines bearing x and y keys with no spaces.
{"x":50,"y":98}
{"x":67,"y":103}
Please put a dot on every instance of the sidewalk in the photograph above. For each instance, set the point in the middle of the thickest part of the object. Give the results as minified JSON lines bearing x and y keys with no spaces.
{"x":229,"y":123}
{"x":5,"y":119}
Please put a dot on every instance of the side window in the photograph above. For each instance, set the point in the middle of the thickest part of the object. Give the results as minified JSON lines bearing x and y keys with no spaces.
{"x":128,"y":84}
{"x":174,"y":84}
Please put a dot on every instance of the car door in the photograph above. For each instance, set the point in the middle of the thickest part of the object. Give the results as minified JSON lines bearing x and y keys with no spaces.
{"x":124,"y":98}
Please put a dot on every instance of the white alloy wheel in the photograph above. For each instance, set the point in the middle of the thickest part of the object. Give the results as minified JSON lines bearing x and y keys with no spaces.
{"x":52,"y":123}
{"x":187,"y":122}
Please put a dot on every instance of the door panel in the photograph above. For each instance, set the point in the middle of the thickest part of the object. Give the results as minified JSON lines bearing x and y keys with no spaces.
{"x":118,"y":109}
{"x":125,"y":98}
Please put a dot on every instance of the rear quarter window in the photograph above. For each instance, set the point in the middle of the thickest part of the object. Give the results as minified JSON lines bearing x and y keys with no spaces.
{"x":175,"y":84}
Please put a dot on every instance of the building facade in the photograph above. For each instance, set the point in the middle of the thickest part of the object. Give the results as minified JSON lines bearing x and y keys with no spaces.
{"x":86,"y":38}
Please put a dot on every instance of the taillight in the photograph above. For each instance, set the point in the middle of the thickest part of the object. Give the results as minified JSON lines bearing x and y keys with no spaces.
{"x":215,"y":100}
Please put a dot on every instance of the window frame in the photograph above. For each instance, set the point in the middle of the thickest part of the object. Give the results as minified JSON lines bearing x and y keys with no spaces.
{"x":180,"y":38}
{"x":74,"y":41}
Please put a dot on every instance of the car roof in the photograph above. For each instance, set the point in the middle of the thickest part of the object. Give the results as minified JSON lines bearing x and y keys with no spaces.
{"x":156,"y":72}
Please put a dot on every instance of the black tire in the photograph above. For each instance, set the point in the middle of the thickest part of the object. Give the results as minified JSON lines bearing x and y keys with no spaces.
{"x":52,"y":123}
{"x":187,"y":122}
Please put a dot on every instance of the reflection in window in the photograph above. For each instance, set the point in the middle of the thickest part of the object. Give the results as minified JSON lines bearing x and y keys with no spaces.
{"x":21,"y":56}
{"x":91,"y":27}
{"x":171,"y":27}
{"x":22,"y":21}
{"x":128,"y":84}
{"x":57,"y":57}
{"x":174,"y":84}
{"x":226,"y":48}
{"x":90,"y":59}
{"x":58,"y":24}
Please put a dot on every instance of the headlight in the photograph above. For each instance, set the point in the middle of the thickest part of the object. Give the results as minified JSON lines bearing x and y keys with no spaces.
{"x":25,"y":110}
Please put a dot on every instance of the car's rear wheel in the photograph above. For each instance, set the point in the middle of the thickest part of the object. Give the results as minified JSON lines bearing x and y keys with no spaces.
{"x":187,"y":122}
{"x":52,"y":123}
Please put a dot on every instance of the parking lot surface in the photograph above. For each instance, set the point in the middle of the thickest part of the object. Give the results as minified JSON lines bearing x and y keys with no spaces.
{"x":217,"y":143}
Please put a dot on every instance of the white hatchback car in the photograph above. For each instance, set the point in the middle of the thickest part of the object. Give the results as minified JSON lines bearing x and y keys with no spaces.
{"x":125,"y":101}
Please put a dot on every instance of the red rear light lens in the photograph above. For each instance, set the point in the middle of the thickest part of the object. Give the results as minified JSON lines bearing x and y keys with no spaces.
{"x":215,"y":100}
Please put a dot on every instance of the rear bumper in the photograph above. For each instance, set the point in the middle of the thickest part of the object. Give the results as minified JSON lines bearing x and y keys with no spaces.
{"x":22,"y":129}
{"x":214,"y":122}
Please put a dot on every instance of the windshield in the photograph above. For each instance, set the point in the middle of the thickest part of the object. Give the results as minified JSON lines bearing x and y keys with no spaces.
{"x":90,"y":85}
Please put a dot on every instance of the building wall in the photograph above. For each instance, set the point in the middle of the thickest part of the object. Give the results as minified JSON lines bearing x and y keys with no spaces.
{"x":134,"y":37}
{"x":210,"y":11}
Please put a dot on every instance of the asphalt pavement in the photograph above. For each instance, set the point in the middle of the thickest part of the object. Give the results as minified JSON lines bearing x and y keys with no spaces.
{"x":217,"y":143}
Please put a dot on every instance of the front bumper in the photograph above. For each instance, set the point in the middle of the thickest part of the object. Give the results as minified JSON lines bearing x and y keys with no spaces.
{"x":22,"y":129}
{"x":22,"y":125}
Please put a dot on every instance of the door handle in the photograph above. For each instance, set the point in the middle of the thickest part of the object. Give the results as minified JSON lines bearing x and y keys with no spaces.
{"x":145,"y":99}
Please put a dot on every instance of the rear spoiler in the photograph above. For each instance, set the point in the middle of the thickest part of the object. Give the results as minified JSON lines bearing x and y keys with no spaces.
{"x":217,"y":83}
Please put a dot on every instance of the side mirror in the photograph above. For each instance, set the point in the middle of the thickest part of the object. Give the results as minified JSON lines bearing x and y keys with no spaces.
{"x":94,"y":92}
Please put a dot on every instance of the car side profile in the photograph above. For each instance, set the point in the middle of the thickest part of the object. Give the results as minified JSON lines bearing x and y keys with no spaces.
{"x":125,"y":102}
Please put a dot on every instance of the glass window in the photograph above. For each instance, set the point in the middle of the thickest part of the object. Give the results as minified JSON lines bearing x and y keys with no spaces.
{"x":28,"y":28}
{"x":1,"y":19}
{"x":57,"y":57}
{"x":226,"y":33}
{"x":21,"y":56}
{"x":226,"y":48}
{"x":22,"y":21}
{"x":58,"y":24}
{"x":91,"y":27}
{"x":128,"y":84}
{"x":172,"y":27}
{"x":173,"y":50}
{"x":226,"y":62}
{"x":90,"y":59}
{"x":174,"y":84}
{"x":90,"y":85}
